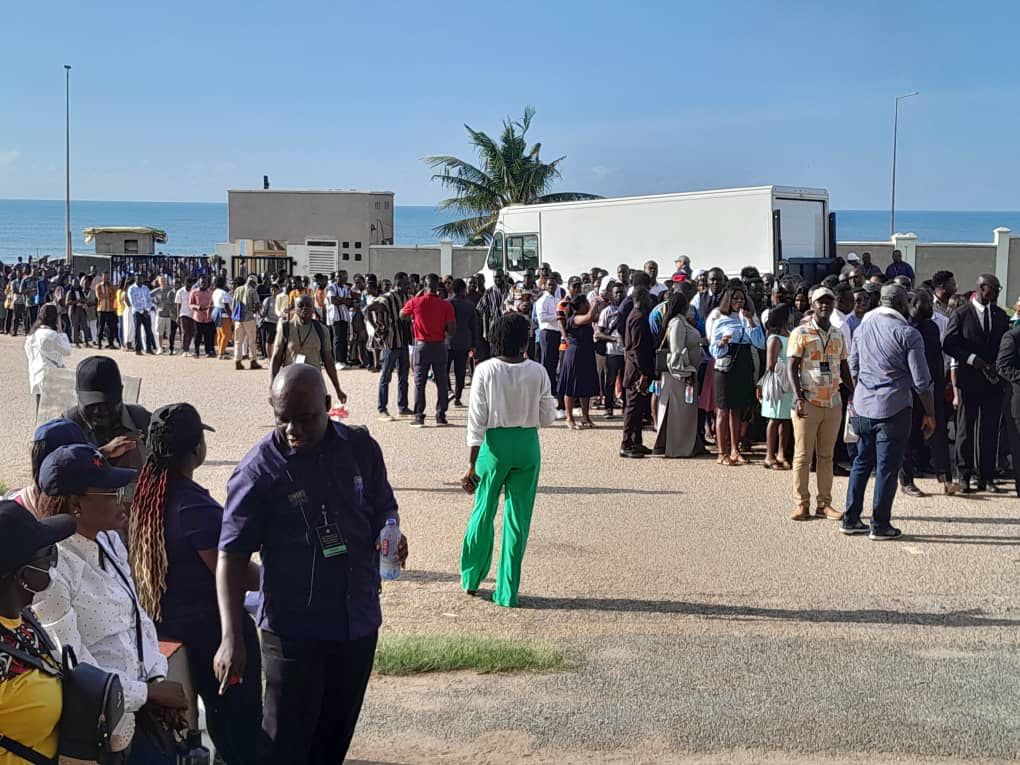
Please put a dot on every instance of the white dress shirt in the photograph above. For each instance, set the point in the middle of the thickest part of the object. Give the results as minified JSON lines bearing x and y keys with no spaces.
{"x":88,"y":607}
{"x":509,"y":396}
{"x":181,"y":299}
{"x":45,"y":348}
{"x":335,"y":313}
{"x":980,"y":308}
{"x":838,"y":320}
{"x":545,"y":312}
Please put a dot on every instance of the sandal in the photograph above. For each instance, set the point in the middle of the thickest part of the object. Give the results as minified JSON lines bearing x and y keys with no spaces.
{"x":783,"y":465}
{"x":725,"y":462}
{"x":587,"y":424}
{"x":573,"y":426}
{"x":737,"y":459}
{"x":770,"y":465}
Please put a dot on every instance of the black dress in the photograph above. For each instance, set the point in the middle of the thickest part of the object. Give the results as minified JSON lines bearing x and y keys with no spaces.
{"x":578,"y":374}
{"x":734,"y":389}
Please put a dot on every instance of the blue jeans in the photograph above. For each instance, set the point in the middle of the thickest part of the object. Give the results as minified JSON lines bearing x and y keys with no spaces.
{"x":394,"y":358}
{"x":880,"y":447}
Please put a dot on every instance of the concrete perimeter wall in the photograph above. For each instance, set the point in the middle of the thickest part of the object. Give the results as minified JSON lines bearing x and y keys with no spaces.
{"x":386,"y":260}
{"x":967,"y":261}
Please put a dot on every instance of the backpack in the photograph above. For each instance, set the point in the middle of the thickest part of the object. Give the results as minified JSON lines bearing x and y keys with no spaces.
{"x":93,"y":702}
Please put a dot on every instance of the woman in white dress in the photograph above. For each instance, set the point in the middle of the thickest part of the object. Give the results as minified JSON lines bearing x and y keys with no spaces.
{"x":46,"y":347}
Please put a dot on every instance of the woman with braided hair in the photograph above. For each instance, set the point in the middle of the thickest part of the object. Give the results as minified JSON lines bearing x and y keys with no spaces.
{"x":174,"y":535}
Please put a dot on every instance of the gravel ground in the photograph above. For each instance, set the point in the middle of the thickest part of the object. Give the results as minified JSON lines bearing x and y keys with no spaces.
{"x":702,"y":624}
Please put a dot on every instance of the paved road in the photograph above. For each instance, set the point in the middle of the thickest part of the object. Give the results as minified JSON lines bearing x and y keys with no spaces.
{"x":704,"y":626}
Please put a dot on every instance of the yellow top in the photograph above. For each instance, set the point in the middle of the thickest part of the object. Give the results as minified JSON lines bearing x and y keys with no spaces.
{"x":120,"y":302}
{"x":30,"y":705}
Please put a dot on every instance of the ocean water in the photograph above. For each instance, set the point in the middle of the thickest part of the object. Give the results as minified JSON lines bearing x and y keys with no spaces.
{"x":36,"y":227}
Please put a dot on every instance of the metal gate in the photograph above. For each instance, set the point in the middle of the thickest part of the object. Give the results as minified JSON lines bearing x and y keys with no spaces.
{"x":156,"y":265}
{"x":242,"y":265}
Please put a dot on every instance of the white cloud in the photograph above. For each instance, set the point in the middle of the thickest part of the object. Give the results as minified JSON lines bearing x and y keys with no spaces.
{"x":9,"y":157}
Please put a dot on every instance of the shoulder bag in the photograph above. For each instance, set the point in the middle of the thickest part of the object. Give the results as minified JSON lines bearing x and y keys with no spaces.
{"x":93,"y":702}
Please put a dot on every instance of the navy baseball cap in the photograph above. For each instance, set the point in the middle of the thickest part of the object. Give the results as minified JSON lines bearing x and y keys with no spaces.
{"x":73,"y":469}
{"x":22,"y":535}
{"x":175,"y":429}
{"x":59,"y":432}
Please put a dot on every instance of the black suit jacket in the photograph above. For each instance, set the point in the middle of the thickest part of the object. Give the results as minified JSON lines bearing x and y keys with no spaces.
{"x":965,"y":336}
{"x":1008,"y":366}
{"x":638,"y":348}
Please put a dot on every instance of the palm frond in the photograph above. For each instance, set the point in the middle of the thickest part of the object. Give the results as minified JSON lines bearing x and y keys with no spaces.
{"x":507,"y":171}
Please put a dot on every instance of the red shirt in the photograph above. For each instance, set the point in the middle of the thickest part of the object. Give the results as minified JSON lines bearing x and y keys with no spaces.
{"x":431,"y":313}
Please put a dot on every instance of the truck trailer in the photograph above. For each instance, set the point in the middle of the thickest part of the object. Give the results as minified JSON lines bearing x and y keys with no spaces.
{"x":777,"y":229}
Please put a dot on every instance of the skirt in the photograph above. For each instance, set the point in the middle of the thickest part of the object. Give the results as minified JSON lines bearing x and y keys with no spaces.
{"x":735,"y":389}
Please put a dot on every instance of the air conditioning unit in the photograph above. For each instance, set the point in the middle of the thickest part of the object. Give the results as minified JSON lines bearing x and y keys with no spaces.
{"x":323,"y":256}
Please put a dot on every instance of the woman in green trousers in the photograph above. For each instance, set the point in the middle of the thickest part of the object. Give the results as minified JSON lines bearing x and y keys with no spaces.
{"x":510,"y":400}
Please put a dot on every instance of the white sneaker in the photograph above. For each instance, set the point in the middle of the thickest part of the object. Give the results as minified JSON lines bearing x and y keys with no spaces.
{"x":560,"y":414}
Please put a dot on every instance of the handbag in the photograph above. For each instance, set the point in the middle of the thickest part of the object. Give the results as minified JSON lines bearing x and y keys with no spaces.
{"x":93,"y":702}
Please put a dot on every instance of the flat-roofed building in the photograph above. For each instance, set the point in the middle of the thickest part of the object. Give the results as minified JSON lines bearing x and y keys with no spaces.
{"x":334,"y":227}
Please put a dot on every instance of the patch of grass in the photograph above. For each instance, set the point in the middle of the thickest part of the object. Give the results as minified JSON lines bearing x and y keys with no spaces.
{"x":410,"y":655}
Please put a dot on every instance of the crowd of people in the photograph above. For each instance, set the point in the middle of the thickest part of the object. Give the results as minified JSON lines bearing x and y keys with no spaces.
{"x":115,"y":545}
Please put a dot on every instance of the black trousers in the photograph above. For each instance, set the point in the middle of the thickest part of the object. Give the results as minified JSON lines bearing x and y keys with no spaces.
{"x":614,"y":368}
{"x":107,"y":326}
{"x":549,"y":344}
{"x":234,"y":720}
{"x":938,"y":444}
{"x":1013,"y":433}
{"x":458,"y":359}
{"x":205,"y":333}
{"x":340,"y":330}
{"x":187,"y":333}
{"x":636,"y":409}
{"x":18,"y":315}
{"x":314,"y":691}
{"x":143,"y":320}
{"x":977,"y":426}
{"x":430,"y":356}
{"x":77,"y":326}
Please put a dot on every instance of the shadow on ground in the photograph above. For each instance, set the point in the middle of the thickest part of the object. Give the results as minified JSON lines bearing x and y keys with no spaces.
{"x":970,"y":618}
{"x":448,"y":487}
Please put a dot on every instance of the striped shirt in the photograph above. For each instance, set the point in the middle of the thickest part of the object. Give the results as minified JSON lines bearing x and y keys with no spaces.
{"x":392,"y":331}
{"x":491,"y":307}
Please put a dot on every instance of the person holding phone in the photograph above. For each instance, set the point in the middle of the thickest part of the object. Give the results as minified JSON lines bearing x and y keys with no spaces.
{"x":511,"y":397}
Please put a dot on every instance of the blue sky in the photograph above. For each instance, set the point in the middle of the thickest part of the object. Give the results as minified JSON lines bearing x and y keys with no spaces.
{"x":182,"y":100}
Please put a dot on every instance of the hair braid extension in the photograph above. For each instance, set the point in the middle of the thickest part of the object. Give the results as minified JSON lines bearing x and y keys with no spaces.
{"x":147,"y":535}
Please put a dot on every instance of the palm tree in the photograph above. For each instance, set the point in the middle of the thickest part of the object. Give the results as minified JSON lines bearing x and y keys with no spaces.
{"x":509,"y":173}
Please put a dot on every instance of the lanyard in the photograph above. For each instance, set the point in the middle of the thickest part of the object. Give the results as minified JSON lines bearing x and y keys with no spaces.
{"x":828,"y":337}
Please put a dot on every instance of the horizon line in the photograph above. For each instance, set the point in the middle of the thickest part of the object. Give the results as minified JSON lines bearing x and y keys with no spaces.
{"x":435,"y":204}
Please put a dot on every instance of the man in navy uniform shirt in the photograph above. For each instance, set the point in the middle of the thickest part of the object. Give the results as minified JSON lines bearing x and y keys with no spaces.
{"x":311,"y":497}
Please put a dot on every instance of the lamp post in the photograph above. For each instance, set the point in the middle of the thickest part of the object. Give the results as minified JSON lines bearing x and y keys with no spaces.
{"x":67,"y":163}
{"x":896,"y":121}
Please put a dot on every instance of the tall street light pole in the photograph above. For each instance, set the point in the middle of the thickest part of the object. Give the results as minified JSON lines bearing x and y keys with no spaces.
{"x":67,"y":162}
{"x":896,"y":122}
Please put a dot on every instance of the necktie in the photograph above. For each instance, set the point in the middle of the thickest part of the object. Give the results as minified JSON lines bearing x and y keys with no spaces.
{"x":988,"y":321}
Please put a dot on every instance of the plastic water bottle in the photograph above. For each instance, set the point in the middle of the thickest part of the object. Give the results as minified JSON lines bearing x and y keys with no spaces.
{"x":689,"y":393}
{"x":389,"y":565}
{"x":196,"y":753}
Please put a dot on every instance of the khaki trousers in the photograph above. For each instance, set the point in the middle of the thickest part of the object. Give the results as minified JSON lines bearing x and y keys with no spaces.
{"x":815,"y":433}
{"x":244,"y":339}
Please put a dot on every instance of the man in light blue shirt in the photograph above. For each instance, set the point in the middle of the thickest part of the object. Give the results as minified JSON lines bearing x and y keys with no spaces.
{"x":887,"y":362}
{"x":139,"y":297}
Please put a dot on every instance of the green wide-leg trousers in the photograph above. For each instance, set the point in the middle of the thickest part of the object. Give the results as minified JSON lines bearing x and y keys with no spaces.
{"x":509,"y":459}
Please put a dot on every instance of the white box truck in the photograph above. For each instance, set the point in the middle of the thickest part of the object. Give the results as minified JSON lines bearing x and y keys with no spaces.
{"x":777,"y":229}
